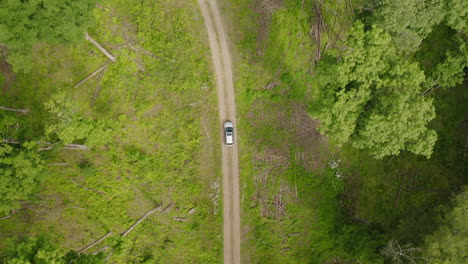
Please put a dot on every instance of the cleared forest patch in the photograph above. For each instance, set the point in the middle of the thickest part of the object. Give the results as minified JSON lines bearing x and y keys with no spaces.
{"x":158,"y":104}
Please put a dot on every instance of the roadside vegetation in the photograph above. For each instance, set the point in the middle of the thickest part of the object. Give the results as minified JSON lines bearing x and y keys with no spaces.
{"x":353,"y":130}
{"x":128,"y":155}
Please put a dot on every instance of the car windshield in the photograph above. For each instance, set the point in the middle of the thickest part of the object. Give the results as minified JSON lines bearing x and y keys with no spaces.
{"x":229,"y":129}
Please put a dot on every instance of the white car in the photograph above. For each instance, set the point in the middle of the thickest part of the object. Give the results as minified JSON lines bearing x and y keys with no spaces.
{"x":228,"y":133}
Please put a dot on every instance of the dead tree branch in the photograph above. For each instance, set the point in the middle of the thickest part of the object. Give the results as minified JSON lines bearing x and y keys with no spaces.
{"x":23,"y":111}
{"x":100,"y":250}
{"x":98,"y":88}
{"x":5,"y":217}
{"x":11,"y":141}
{"x":92,"y":75}
{"x":88,"y":188}
{"x":101,"y":48}
{"x":75,"y":147}
{"x":124,"y":234}
{"x":95,"y":242}
{"x":58,"y":164}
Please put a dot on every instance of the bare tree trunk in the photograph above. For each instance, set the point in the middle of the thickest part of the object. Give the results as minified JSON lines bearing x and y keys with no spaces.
{"x":75,"y":147}
{"x":124,"y":234}
{"x":98,"y":88}
{"x":108,"y":256}
{"x":95,"y":242}
{"x":92,"y":75}
{"x":100,"y":250}
{"x":101,"y":48}
{"x":24,"y":111}
{"x":11,"y":141}
{"x":5,"y":217}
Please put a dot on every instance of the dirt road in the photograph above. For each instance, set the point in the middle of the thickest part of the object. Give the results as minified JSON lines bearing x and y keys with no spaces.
{"x":227,"y":111}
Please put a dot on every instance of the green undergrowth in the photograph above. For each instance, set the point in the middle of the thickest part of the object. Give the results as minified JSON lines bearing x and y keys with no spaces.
{"x":158,"y":153}
{"x":328,"y":219}
{"x":307,"y":229}
{"x":2,"y":78}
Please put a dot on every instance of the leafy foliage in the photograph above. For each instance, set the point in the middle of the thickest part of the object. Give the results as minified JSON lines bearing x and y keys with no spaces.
{"x":40,"y":250}
{"x":457,"y":14}
{"x":20,"y":170}
{"x":450,"y":71}
{"x":68,"y":125}
{"x":409,"y":21}
{"x":448,"y":243}
{"x":25,"y":23}
{"x":144,"y":130}
{"x":372,"y":97}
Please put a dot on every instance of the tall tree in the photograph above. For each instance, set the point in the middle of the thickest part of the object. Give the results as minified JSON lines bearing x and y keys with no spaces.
{"x":20,"y":170}
{"x":371,"y":98}
{"x":456,"y":12}
{"x":24,"y":23}
{"x":40,"y":250}
{"x":409,"y":21}
{"x":69,"y":126}
{"x":451,"y":70}
{"x":448,"y":243}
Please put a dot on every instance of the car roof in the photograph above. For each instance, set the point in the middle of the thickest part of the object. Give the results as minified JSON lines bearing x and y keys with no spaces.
{"x":229,"y":138}
{"x":228,"y":124}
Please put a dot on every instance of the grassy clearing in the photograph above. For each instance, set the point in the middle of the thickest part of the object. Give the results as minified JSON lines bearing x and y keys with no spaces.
{"x":164,"y":140}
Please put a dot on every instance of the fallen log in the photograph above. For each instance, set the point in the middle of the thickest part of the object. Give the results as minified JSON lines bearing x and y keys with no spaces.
{"x":92,"y":75}
{"x":95,"y":242}
{"x":130,"y":229}
{"x":101,"y":48}
{"x":24,"y":111}
{"x":100,"y":250}
{"x":75,"y":146}
{"x":11,"y":141}
{"x":58,"y":164}
{"x":5,"y":217}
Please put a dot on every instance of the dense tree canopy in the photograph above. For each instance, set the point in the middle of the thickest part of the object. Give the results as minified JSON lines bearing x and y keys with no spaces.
{"x":448,"y":243}
{"x":372,"y":96}
{"x":25,"y":23}
{"x":20,"y":170}
{"x":409,"y":21}
{"x":456,"y":14}
{"x":40,"y":250}
{"x":68,"y":125}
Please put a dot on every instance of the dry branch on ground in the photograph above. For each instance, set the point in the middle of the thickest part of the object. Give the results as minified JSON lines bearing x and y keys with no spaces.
{"x":95,"y":242}
{"x":130,"y":229}
{"x":92,"y":75}
{"x":101,"y":48}
{"x":23,"y":111}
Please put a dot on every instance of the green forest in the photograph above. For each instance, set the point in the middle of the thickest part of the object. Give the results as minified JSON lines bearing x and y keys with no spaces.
{"x":352,"y":126}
